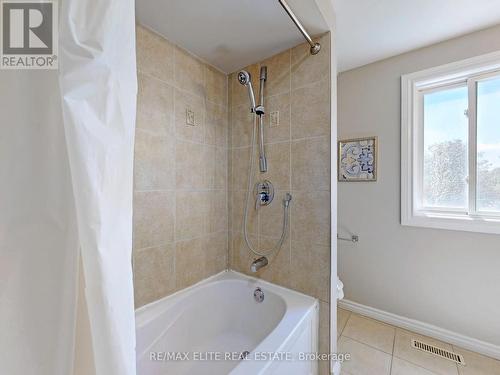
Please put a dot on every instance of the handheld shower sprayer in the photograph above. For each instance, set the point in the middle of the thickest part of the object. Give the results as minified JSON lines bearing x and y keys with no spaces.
{"x":245,"y":79}
{"x":264,"y":189}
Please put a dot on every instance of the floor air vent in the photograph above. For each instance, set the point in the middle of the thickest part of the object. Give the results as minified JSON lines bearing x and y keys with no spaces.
{"x":446,"y":354}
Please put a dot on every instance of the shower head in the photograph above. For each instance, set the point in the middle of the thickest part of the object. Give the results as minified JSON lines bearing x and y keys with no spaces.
{"x":245,"y":79}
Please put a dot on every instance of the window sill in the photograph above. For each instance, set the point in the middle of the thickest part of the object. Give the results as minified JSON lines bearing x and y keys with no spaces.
{"x":464,"y":223}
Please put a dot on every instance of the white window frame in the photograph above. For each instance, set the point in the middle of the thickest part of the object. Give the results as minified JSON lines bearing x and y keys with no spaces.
{"x":462,"y":73}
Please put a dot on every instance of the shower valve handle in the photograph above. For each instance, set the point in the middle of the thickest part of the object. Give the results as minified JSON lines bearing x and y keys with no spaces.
{"x":264,"y":193}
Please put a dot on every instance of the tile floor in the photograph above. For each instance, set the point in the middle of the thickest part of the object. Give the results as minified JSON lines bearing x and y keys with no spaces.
{"x":381,"y":349}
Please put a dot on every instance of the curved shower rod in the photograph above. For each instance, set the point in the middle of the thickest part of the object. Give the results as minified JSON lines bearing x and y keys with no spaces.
{"x":315,"y":47}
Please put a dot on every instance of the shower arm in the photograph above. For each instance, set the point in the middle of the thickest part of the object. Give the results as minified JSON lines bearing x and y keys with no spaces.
{"x":315,"y":47}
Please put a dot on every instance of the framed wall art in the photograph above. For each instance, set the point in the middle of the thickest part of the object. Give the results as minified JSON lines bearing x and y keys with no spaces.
{"x":357,"y":159}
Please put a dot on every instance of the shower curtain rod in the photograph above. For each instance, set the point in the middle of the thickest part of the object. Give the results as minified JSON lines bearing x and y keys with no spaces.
{"x":315,"y":47}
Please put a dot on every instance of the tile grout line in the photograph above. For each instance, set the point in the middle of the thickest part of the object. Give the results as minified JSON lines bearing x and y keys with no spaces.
{"x":290,"y":224}
{"x":418,"y":365}
{"x":206,"y":176}
{"x":275,"y":237}
{"x":187,"y":190}
{"x":181,"y":239}
{"x":175,"y":171}
{"x":394,"y":345}
{"x":365,"y":344}
{"x":228,"y":196}
{"x":347,"y":321}
{"x":291,"y":140}
{"x":174,"y":86}
{"x":456,"y":364}
{"x":393,"y":349}
{"x":231,"y":183}
{"x":362,"y":342}
{"x":392,"y":352}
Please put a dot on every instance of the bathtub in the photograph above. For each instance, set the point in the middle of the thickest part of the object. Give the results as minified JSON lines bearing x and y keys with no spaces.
{"x":218,"y":327}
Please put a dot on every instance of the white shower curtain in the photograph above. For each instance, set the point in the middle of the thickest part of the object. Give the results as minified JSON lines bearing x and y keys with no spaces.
{"x":66,"y":163}
{"x":38,"y":239}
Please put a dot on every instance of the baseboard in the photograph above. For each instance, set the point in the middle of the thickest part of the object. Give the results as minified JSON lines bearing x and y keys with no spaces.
{"x":422,"y":328}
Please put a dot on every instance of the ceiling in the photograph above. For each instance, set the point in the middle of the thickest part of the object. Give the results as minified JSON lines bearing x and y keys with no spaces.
{"x":371,"y":30}
{"x":230,"y":34}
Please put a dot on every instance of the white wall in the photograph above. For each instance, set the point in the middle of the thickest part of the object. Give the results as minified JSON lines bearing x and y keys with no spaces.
{"x":446,"y":278}
{"x":327,"y":8}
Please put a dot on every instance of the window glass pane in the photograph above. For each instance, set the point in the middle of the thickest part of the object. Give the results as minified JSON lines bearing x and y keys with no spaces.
{"x":488,"y":145}
{"x":445,"y":149}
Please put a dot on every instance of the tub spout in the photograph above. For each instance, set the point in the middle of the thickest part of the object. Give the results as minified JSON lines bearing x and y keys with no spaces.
{"x":258,"y":263}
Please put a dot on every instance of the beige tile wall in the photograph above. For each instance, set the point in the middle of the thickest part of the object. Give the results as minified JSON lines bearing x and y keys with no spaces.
{"x":180,"y":173}
{"x":298,"y":153}
{"x":190,"y":181}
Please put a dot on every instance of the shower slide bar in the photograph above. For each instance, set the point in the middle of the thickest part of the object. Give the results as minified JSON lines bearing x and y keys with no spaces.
{"x":315,"y":47}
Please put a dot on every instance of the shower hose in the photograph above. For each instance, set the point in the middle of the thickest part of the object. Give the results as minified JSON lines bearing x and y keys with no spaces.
{"x":286,"y":203}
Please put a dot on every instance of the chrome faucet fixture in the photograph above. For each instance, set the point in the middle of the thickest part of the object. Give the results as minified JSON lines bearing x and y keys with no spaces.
{"x":258,"y":263}
{"x":264,"y":193}
{"x":263,"y":190}
{"x":258,"y":295}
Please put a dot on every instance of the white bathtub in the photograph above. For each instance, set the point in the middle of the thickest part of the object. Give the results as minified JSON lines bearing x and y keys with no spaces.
{"x":214,"y":321}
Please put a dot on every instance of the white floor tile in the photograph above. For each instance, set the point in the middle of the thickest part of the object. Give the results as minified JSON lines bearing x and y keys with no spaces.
{"x":342,"y":317}
{"x":401,"y":367}
{"x":365,"y":360}
{"x":370,"y":332}
{"x":370,"y":344}
{"x":477,"y":364}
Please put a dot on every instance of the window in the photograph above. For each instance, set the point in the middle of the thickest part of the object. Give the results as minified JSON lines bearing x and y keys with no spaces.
{"x":450,"y":146}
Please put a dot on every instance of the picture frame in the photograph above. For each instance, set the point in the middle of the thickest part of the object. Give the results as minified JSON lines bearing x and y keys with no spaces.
{"x":357,"y":159}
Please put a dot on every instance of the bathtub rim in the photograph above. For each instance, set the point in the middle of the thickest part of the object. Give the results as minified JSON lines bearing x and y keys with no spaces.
{"x":143,"y":316}
{"x":298,"y":308}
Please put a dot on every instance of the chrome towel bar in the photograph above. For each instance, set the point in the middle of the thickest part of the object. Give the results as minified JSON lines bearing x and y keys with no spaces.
{"x":354,"y":238}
